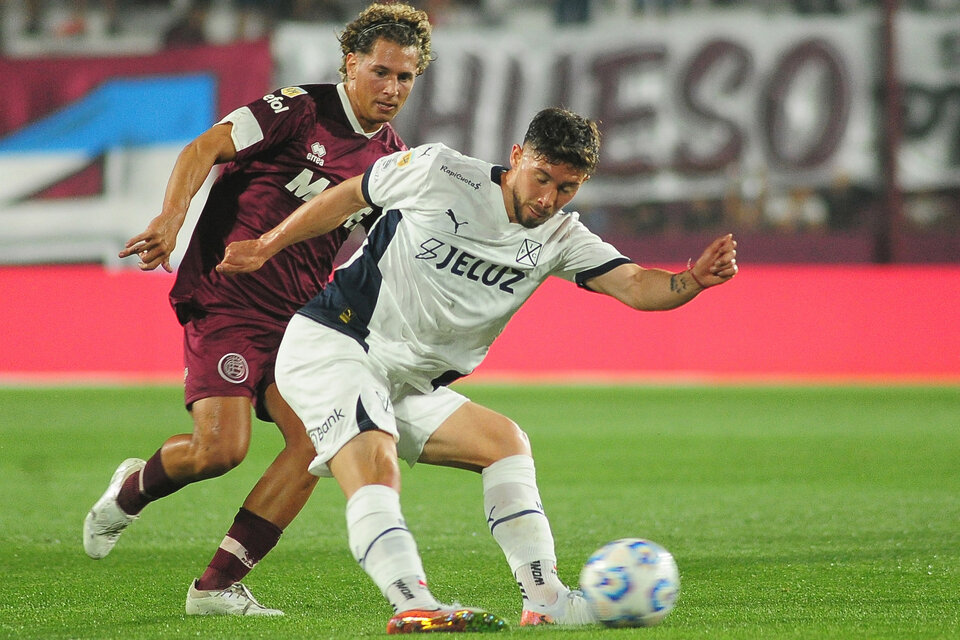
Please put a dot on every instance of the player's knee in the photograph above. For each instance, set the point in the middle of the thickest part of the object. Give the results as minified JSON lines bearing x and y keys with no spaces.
{"x":297,"y":443}
{"x":384,"y":468}
{"x":514,"y":441}
{"x":369,"y":458}
{"x":388,"y":475}
{"x":213,"y":461}
{"x":508,"y":439}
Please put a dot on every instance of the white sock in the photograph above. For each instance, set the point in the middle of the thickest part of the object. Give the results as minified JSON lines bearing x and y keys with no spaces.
{"x":382,"y":544}
{"x":539,"y":583}
{"x":515,"y":516}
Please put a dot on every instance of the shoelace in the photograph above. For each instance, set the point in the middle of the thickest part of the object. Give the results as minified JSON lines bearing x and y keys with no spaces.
{"x":239,"y":591}
{"x":583,"y":613}
{"x":115,"y":528}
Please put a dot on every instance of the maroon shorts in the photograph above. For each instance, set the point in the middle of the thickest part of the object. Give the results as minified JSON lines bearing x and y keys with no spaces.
{"x":226,"y":356}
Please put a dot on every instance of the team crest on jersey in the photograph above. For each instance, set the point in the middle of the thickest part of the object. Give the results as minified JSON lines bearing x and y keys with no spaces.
{"x":317,"y":151}
{"x":405,"y":159}
{"x":292,"y":92}
{"x":233,"y":368}
{"x":529,"y":253}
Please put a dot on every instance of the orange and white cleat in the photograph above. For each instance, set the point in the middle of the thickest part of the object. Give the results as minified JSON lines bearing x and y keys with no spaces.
{"x":445,"y":620}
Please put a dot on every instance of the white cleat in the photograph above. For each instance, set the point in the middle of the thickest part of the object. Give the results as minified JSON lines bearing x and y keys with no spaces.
{"x":571,"y":609}
{"x":106,"y":520}
{"x":235,"y":600}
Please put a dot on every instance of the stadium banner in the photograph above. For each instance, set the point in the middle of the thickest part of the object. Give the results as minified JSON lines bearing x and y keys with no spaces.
{"x":690,"y":104}
{"x":87,"y":143}
{"x":771,"y":323}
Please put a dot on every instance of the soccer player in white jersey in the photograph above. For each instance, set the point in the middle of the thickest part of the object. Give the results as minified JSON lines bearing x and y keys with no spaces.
{"x":460,"y":245}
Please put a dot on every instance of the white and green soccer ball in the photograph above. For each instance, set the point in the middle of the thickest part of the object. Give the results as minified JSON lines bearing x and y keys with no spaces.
{"x":630,"y":582}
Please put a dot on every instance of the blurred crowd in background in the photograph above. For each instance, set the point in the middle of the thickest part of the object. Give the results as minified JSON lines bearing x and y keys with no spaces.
{"x":748,"y":203}
{"x":186,"y":21}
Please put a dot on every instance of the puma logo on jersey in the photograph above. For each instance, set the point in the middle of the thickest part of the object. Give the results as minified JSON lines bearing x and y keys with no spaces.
{"x":456,"y":223}
{"x":460,"y":263}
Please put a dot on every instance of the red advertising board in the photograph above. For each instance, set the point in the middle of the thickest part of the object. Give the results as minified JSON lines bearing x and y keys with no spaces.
{"x":808,"y":323}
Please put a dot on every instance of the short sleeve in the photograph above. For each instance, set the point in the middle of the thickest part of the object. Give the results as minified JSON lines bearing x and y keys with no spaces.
{"x":396,"y":180}
{"x":270,"y":121}
{"x":246,"y":131}
{"x":585,"y":255}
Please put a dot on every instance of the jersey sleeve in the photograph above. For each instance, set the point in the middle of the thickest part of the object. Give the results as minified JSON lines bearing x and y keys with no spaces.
{"x":585,"y":255}
{"x":398,"y":179}
{"x":270,"y":121}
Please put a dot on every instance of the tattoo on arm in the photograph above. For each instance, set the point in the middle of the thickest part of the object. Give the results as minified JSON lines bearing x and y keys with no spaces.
{"x":677,"y":284}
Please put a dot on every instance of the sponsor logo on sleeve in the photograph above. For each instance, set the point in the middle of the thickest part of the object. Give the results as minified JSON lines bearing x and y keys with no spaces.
{"x":276,"y":101}
{"x":456,"y":175}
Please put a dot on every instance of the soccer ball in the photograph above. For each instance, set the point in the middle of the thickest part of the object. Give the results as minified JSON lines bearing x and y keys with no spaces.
{"x":630,"y":582}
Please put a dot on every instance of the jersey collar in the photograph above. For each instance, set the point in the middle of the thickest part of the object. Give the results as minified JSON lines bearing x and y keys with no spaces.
{"x":351,"y":116}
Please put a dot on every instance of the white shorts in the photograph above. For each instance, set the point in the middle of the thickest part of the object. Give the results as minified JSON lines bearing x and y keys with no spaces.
{"x":338,"y":392}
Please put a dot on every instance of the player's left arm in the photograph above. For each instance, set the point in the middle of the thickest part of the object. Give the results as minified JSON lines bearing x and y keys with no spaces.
{"x":659,"y":290}
{"x":319,"y":215}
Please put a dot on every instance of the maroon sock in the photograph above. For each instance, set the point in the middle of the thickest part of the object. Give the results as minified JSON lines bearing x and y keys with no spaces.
{"x":149,"y":484}
{"x":246,"y":543}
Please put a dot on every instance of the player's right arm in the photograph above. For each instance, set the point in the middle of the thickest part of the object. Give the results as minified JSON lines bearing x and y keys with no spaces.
{"x":156,"y":243}
{"x":319,"y":215}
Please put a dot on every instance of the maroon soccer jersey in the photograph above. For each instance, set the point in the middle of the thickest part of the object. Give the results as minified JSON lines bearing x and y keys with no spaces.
{"x":291,"y":145}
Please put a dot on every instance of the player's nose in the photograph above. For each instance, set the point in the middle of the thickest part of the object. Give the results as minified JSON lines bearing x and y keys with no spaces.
{"x":548,"y":200}
{"x":391,"y":86}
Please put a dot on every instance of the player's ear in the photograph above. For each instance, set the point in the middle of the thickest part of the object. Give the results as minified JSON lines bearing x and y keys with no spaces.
{"x":515,"y":154}
{"x":352,"y":60}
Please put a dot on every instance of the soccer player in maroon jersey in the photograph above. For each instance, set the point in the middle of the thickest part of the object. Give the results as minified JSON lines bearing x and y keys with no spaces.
{"x":278,"y":151}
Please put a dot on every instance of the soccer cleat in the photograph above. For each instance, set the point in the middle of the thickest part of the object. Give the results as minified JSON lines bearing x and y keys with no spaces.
{"x":570,"y":609}
{"x":106,"y":520}
{"x":446,"y":620}
{"x":235,"y":600}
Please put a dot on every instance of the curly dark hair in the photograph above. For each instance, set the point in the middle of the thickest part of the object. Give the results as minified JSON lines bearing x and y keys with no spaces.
{"x":561,"y":136}
{"x":397,"y":22}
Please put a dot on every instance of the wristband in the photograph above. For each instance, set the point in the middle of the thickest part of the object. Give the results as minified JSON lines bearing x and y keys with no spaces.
{"x":702,"y":286}
{"x":690,"y":271}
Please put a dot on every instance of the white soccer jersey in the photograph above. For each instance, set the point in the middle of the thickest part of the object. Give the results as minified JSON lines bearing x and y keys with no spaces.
{"x":443,"y":269}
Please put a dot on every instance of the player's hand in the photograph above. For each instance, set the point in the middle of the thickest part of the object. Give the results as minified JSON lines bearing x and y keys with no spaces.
{"x":154,"y":245}
{"x":718,"y":262}
{"x":243,"y":256}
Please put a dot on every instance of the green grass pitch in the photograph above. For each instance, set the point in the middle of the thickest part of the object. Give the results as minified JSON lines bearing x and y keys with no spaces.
{"x":793,"y":512}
